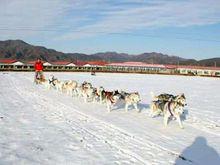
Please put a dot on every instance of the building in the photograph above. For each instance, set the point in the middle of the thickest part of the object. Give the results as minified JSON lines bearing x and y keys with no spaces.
{"x":63,"y":63}
{"x":137,"y":67}
{"x":96,"y":63}
{"x":101,"y":66}
{"x":10,"y":62}
{"x":199,"y":70}
{"x":45,"y":63}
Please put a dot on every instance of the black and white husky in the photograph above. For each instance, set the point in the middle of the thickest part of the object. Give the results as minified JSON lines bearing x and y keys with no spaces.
{"x":158,"y":103}
{"x":130,"y":99}
{"x":169,"y":106}
{"x":174,"y":108}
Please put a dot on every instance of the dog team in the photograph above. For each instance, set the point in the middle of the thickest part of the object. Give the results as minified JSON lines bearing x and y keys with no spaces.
{"x":168,"y":105}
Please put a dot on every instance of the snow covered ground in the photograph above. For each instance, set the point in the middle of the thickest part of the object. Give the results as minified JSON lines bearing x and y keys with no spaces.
{"x":39,"y":126}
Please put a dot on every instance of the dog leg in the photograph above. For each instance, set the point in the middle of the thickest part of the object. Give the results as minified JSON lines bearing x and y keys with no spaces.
{"x":100,"y":99}
{"x":135,"y":106}
{"x":85,"y":99}
{"x":179,"y":121}
{"x":94,"y":100}
{"x":71,"y":92}
{"x":108,"y":106}
{"x":151,"y":114}
{"x":126,"y":107}
{"x":166,"y":117}
{"x":154,"y":113}
{"x":76,"y":93}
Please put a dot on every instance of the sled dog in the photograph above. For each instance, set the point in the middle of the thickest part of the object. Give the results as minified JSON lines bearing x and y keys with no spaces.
{"x":130,"y":99}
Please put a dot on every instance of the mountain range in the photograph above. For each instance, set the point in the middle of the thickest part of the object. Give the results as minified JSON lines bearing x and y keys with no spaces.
{"x":22,"y":51}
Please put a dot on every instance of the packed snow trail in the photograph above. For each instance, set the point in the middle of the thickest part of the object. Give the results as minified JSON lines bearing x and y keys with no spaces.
{"x":69,"y":131}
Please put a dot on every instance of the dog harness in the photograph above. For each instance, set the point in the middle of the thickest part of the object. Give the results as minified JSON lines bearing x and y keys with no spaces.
{"x":52,"y":82}
{"x":109,"y":96}
{"x":112,"y":100}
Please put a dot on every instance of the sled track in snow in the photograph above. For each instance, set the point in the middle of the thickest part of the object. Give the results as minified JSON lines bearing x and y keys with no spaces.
{"x":95,"y":133}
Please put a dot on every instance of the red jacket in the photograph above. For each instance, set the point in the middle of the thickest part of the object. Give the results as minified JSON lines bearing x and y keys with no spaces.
{"x":38,"y":66}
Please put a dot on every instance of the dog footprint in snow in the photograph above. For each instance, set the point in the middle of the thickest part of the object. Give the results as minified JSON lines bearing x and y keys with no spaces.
{"x":39,"y":148}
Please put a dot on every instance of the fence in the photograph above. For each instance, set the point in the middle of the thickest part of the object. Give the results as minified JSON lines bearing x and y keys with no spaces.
{"x":113,"y":69}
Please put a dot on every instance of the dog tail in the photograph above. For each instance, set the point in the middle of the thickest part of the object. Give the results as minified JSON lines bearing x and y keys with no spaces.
{"x":154,"y":97}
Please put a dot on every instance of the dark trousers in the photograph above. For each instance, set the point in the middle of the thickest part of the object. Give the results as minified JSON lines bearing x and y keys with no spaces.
{"x":38,"y":74}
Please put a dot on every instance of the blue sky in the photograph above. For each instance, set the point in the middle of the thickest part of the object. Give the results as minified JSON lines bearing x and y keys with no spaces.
{"x":186,"y":28}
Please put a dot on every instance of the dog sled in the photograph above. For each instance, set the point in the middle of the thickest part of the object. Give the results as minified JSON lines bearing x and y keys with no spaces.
{"x":39,"y":78}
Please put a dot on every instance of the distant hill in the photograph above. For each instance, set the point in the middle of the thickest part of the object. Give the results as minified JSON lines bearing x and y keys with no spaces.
{"x":20,"y":50}
{"x":114,"y":56}
{"x":210,"y":62}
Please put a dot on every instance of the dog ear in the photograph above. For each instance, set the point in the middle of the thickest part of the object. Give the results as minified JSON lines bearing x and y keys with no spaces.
{"x":183,"y":95}
{"x":178,"y":96}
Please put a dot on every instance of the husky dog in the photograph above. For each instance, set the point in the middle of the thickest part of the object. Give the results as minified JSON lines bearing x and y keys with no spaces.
{"x":111,"y":98}
{"x":130,"y":99}
{"x":79,"y":91}
{"x":50,"y":83}
{"x":80,"y":88}
{"x":100,"y":94}
{"x":174,"y":108}
{"x":51,"y":80}
{"x":163,"y":97}
{"x":70,"y":87}
{"x":87,"y":91}
{"x":89,"y":94}
{"x":58,"y":85}
{"x":158,"y":103}
{"x":156,"y":108}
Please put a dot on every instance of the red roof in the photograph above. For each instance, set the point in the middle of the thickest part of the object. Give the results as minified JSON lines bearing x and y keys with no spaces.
{"x":99,"y":63}
{"x":81,"y":63}
{"x":33,"y":62}
{"x":8,"y":61}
